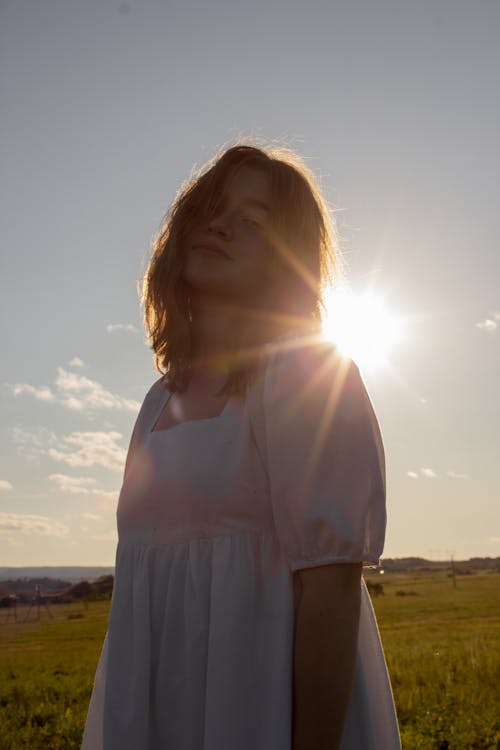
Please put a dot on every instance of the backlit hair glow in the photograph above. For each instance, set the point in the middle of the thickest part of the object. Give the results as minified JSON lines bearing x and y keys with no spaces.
{"x":303,"y":237}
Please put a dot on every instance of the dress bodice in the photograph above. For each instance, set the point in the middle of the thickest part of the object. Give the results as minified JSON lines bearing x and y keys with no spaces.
{"x":201,"y":478}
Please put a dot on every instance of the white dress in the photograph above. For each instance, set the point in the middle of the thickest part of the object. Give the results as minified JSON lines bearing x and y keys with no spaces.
{"x":214,"y":516}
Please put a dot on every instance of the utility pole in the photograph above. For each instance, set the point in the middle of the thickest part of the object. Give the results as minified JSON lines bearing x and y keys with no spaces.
{"x":453,"y":575}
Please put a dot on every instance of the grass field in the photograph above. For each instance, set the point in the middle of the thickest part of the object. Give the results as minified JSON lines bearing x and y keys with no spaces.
{"x":442,"y":646}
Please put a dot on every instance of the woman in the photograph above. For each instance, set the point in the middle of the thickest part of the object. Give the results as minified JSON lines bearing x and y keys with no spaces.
{"x":254,"y":491}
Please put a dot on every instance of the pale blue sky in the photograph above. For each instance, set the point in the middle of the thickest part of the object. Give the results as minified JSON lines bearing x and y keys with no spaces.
{"x":106,"y":106}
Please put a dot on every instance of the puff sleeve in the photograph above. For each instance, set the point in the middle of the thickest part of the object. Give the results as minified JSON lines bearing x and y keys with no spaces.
{"x":321,"y":444}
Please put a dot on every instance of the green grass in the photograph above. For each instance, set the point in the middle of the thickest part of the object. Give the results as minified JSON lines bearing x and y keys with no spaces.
{"x":46,"y":675}
{"x":442,"y":646}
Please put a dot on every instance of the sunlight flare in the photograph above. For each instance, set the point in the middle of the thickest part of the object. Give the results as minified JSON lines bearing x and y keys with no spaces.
{"x":362,"y":327}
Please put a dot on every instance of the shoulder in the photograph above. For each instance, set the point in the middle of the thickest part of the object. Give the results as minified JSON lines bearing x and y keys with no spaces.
{"x":158,"y":387}
{"x":317,"y":364}
{"x":152,"y":398}
{"x":313,"y":382}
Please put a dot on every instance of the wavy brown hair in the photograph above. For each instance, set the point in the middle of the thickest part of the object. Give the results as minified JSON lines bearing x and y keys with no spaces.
{"x":302,"y":234}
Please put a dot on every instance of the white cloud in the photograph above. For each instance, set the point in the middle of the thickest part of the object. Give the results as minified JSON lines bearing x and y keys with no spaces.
{"x":92,"y":517}
{"x":81,"y":392}
{"x":455,"y":475}
{"x":76,"y":362}
{"x":42,"y":393}
{"x":36,"y":438}
{"x":127,"y":327}
{"x":496,"y":314}
{"x":5,"y":485}
{"x":77,"y":393}
{"x":31,"y":524}
{"x":31,"y":444}
{"x":487,"y":325}
{"x":91,"y":449}
{"x":425,"y":471}
{"x":73,"y":485}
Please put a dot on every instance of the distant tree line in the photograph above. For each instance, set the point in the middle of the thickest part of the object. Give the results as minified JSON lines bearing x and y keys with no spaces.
{"x":462,"y":567}
{"x":55,"y":591}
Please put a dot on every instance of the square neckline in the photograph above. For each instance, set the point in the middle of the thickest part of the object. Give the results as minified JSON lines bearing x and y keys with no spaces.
{"x":163,"y":403}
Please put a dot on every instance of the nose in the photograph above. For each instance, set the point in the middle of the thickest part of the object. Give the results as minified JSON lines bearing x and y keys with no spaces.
{"x":219,"y":226}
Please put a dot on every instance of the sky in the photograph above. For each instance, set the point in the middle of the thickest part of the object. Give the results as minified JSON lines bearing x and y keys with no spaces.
{"x":106,"y":108}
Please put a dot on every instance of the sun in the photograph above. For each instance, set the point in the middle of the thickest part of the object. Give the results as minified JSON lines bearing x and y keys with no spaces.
{"x":362,"y":327}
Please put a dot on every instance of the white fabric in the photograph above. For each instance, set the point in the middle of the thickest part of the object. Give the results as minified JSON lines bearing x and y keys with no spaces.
{"x":214,"y":516}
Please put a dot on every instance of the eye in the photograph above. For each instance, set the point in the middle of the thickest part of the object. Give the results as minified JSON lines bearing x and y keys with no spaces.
{"x":251,"y":222}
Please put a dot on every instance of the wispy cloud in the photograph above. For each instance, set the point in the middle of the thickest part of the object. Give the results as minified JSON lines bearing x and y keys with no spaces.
{"x":127,"y":327}
{"x":76,"y":362}
{"x":32,"y":444}
{"x":91,"y":517}
{"x":489,"y":323}
{"x":73,"y":485}
{"x":428,"y":473}
{"x":5,"y":485}
{"x":37,"y":438}
{"x":42,"y":393}
{"x":91,"y":449}
{"x":31,"y":524}
{"x":89,"y":393}
{"x":78,"y":449}
{"x":78,"y":393}
{"x":425,"y":471}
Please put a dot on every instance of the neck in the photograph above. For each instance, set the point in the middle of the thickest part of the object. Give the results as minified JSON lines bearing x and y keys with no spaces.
{"x":214,"y":326}
{"x":220,"y":328}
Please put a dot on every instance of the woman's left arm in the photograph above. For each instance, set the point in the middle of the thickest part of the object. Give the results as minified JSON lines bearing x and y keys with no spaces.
{"x":326,"y":635}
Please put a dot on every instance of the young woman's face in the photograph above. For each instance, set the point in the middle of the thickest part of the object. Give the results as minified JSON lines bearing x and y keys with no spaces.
{"x":227,"y":256}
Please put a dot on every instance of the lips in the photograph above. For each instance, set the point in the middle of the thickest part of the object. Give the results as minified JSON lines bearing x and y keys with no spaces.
{"x":210,"y":248}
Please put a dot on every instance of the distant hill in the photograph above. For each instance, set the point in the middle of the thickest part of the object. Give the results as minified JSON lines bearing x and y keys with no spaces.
{"x":75,"y":574}
{"x":409,"y":564}
{"x":71,"y":573}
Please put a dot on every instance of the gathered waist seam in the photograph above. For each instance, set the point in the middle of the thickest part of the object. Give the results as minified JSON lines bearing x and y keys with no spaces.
{"x":152,"y":543}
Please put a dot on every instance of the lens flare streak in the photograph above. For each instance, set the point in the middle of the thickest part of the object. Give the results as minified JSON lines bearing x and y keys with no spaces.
{"x":362,"y":327}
